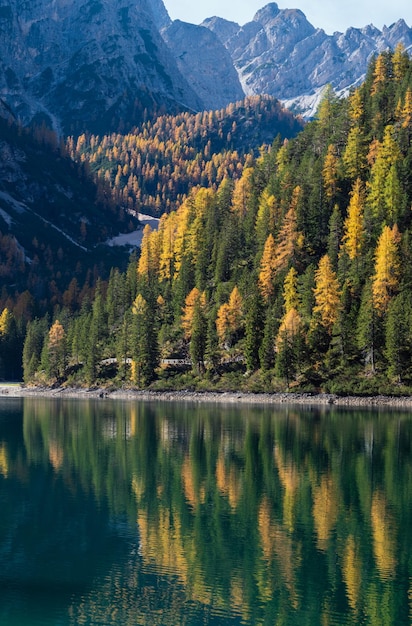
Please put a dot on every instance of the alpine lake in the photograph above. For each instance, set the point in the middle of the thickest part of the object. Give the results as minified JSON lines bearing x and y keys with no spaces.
{"x":132,"y":512}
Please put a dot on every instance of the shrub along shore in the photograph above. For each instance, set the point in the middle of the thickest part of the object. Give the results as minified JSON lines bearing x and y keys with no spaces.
{"x":226,"y":397}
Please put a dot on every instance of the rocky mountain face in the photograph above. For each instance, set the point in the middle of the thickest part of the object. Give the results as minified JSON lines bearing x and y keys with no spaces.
{"x":102,"y":65}
{"x":281,"y":54}
{"x":88,"y":64}
{"x":205,"y":63}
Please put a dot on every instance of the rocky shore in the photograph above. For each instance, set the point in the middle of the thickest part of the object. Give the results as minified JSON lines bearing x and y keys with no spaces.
{"x":324,"y":399}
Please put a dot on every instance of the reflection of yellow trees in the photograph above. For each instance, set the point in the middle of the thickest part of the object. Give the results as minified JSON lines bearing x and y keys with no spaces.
{"x":325,"y":510}
{"x":228,"y":481}
{"x":133,"y":421}
{"x":4,"y":465}
{"x":290,"y":479}
{"x":192,"y":494}
{"x":56,"y":455}
{"x":138,"y":486}
{"x":351,"y":570}
{"x":383,"y":532}
{"x":168,"y":548}
{"x":237,"y":597}
{"x":278,"y":544}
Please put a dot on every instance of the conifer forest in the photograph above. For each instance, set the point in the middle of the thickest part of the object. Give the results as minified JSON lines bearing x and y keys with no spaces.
{"x":280,"y":266}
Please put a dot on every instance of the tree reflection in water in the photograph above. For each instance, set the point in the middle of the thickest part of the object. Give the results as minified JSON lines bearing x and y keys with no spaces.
{"x":217,"y":514}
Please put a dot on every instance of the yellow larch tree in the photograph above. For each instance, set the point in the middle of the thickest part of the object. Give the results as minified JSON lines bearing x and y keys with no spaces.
{"x":182,"y":218}
{"x":268,"y":215}
{"x":289,"y":239}
{"x":290,"y":290}
{"x":223,"y":322}
{"x":354,"y":229}
{"x":385,"y":280}
{"x":201,"y":202}
{"x":5,"y":321}
{"x":193,"y":299}
{"x":277,"y":256}
{"x":168,"y":230}
{"x":356,"y":107}
{"x":57,"y":348}
{"x":327,"y":293}
{"x":267,"y":268}
{"x":380,"y":74}
{"x":406,"y":112}
{"x":400,"y":62}
{"x":386,"y":157}
{"x":330,"y":172}
{"x":242,"y":192}
{"x":354,"y":154}
{"x":289,"y":328}
{"x":229,"y":318}
{"x":149,"y":252}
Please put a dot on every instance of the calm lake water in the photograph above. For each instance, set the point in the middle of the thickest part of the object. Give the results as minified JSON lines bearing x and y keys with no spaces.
{"x":185,"y":514}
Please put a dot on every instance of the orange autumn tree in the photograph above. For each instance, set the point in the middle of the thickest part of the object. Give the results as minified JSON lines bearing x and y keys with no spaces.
{"x":57,"y":349}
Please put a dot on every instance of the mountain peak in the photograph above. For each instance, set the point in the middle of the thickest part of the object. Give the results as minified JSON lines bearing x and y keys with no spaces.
{"x":267,"y":13}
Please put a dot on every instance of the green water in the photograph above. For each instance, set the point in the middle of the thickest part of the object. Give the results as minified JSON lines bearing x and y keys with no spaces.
{"x":186,"y":514}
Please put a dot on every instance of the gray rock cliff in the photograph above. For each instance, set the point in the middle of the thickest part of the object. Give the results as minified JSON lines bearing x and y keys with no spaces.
{"x":84,"y":64}
{"x":281,"y":54}
{"x":205,"y":63}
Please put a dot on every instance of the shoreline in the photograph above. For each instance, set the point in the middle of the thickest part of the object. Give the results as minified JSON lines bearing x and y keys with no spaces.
{"x":224,"y":397}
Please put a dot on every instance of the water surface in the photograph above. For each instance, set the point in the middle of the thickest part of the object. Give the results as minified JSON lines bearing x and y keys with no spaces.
{"x":154,"y":513}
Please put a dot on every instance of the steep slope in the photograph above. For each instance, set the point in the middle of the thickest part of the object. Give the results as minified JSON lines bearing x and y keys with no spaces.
{"x":280,"y":53}
{"x":88,"y":65}
{"x":205,"y":63}
{"x":52,"y":216}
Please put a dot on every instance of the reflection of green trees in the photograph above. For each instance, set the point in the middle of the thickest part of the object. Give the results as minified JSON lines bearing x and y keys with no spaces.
{"x":273,"y":514}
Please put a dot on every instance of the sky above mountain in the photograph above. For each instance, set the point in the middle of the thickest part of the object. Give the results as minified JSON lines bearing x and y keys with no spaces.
{"x":331,"y":15}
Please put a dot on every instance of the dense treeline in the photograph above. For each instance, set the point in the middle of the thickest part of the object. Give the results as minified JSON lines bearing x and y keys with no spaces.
{"x":153,"y":168}
{"x":297,"y":272}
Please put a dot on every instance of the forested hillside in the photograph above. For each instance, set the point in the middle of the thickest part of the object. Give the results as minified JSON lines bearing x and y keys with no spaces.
{"x":295,"y":274}
{"x":153,"y":168}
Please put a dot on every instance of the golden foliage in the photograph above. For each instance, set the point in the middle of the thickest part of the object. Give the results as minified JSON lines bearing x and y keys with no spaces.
{"x":290,"y":290}
{"x":383,"y":533}
{"x":242,"y":192}
{"x":380,"y":74}
{"x":193,"y":299}
{"x":5,"y":321}
{"x":139,"y":306}
{"x":330,"y":172}
{"x":325,"y":511}
{"x":230,"y":316}
{"x":351,"y":570}
{"x":355,"y":106}
{"x":290,"y":326}
{"x":354,"y":230}
{"x":327,"y":293}
{"x":267,"y":268}
{"x":387,"y":268}
{"x":4,"y":464}
{"x":56,"y":335}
